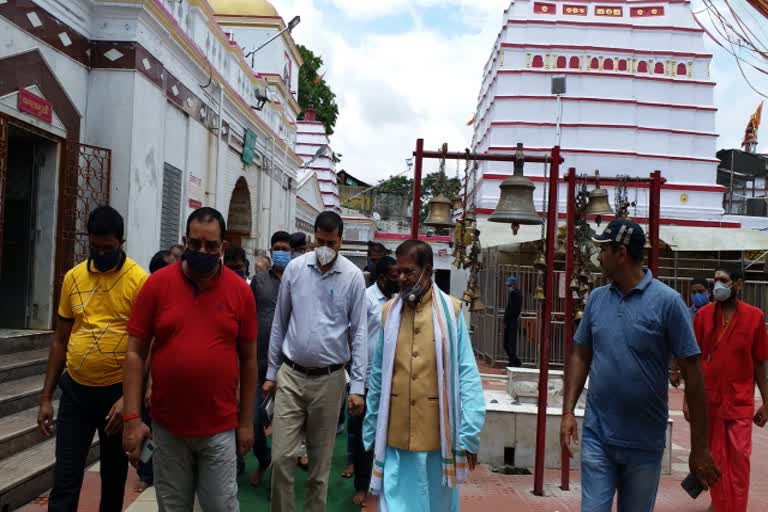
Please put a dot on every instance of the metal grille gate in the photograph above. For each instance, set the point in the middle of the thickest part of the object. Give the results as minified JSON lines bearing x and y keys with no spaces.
{"x":85,"y":185}
{"x":3,"y":175}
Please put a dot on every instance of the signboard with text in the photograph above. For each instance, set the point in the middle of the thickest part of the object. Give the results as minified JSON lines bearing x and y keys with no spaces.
{"x":249,"y":146}
{"x":35,"y":106}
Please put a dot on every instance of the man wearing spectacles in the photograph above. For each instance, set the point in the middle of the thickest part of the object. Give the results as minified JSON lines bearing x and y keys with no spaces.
{"x":203,"y":319}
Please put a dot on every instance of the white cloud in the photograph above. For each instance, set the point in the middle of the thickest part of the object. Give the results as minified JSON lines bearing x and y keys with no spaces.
{"x":393,"y":88}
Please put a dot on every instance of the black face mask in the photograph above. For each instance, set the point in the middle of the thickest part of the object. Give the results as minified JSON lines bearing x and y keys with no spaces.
{"x":200,"y":262}
{"x":391,"y":288}
{"x":107,"y":261}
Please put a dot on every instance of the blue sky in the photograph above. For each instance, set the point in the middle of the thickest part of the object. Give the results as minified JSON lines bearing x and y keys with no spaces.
{"x":404,"y":69}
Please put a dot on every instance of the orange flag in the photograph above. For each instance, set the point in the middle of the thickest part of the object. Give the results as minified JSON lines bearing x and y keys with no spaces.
{"x":472,"y":121}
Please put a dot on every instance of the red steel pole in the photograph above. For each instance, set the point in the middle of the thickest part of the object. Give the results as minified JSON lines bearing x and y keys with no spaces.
{"x":654,"y":218}
{"x":419,"y":154}
{"x":546,"y":318}
{"x":570,"y":239}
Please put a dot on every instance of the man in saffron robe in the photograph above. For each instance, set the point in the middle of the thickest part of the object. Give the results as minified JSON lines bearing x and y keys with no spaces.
{"x":734,"y":348}
{"x":425,"y":405}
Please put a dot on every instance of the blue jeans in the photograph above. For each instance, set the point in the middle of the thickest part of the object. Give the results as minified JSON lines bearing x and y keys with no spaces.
{"x":260,"y":448}
{"x":606,"y":470}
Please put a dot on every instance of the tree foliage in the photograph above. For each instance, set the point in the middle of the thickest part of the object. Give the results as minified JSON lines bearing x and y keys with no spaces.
{"x":314,"y":91}
{"x":432,"y":185}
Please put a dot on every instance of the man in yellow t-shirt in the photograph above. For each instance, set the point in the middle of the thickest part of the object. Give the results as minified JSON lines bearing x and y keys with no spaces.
{"x":96,"y":300}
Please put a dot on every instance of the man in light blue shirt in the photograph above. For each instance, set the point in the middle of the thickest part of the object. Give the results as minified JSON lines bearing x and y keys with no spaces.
{"x":321,"y":312}
{"x":385,"y":286}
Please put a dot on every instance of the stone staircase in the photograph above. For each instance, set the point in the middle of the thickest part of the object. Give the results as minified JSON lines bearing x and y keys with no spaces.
{"x":26,"y":456}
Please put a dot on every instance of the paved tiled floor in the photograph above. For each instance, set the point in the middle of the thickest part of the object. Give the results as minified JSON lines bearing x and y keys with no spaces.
{"x":489,"y":492}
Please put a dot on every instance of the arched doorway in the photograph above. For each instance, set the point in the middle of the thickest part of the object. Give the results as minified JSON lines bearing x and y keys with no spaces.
{"x":239,"y":216}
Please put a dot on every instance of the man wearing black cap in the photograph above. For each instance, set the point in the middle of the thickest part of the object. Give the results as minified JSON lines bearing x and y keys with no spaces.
{"x":629,"y":331}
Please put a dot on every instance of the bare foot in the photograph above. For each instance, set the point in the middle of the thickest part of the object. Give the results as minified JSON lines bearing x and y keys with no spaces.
{"x":359,"y":499}
{"x":140,"y":487}
{"x":348,"y":472}
{"x":257,"y":477}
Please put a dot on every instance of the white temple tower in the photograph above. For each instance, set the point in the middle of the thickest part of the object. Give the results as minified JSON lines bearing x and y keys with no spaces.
{"x":639,"y":98}
{"x":310,"y":137}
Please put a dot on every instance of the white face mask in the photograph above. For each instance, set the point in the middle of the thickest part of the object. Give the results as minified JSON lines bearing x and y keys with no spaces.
{"x":324,"y":255}
{"x":721,"y":292}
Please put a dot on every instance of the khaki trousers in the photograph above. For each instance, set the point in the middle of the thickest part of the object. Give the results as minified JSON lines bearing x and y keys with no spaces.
{"x":304,"y":406}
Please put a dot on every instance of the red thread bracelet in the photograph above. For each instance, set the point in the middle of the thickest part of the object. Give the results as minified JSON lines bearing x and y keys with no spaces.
{"x":129,"y":417}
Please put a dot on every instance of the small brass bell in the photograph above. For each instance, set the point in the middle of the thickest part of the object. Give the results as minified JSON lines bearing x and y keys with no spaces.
{"x":540,"y":263}
{"x":477,"y":306}
{"x":574,"y":286}
{"x":456,"y":204}
{"x":470,"y":217}
{"x":539,"y":294}
{"x":579,"y":315}
{"x":598,"y":205}
{"x":584,"y":289}
{"x":516,"y":200}
{"x":439,"y":213}
{"x":467,"y":296}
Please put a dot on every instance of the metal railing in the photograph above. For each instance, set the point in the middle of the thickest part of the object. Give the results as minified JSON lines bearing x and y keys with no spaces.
{"x":488,"y":334}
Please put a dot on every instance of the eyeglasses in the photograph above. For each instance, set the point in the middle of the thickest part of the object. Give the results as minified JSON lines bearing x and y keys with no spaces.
{"x":210,"y":245}
{"x":407,"y":273}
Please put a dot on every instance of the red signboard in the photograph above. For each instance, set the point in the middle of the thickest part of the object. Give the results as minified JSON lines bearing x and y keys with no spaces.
{"x":575,"y":10}
{"x":35,"y":106}
{"x":643,"y":12}
{"x":544,"y":8}
{"x":194,"y":203}
{"x":608,"y":10}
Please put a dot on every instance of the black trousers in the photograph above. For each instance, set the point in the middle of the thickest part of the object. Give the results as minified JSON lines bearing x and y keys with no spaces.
{"x":510,"y":345}
{"x":82,"y":412}
{"x":362,"y":460}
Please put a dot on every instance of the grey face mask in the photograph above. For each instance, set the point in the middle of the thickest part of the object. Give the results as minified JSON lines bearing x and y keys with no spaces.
{"x":722,"y":292}
{"x":416,"y":292}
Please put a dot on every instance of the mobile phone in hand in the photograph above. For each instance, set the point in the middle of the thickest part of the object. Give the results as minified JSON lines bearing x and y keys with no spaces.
{"x":692,"y":486}
{"x":147,"y":450}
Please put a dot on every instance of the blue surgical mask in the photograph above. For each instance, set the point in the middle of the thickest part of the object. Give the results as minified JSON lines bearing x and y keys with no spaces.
{"x":280,"y":259}
{"x":700,"y":299}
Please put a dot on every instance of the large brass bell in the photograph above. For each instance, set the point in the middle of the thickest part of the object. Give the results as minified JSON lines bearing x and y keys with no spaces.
{"x":516,"y":200}
{"x":439,"y":213}
{"x":598,"y":204}
{"x":477,"y":306}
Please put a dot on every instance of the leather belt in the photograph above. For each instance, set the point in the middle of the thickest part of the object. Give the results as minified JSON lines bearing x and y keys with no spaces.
{"x":313,"y":372}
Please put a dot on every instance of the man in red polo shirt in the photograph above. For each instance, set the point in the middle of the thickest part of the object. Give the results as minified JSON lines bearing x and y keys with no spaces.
{"x":734,"y":348}
{"x":202,"y":317}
